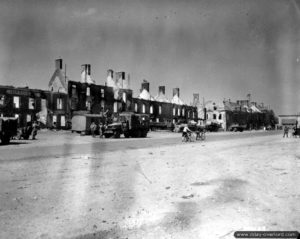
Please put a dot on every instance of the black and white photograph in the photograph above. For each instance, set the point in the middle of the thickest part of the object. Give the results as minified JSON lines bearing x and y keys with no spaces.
{"x":149,"y":119}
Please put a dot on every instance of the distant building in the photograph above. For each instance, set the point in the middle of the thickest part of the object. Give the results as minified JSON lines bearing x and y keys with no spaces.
{"x":209,"y":112}
{"x":248,"y":114}
{"x":57,"y":105}
{"x":216,"y":114}
{"x":289,"y":120}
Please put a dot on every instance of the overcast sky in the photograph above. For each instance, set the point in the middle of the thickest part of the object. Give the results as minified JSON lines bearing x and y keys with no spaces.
{"x":219,"y":49}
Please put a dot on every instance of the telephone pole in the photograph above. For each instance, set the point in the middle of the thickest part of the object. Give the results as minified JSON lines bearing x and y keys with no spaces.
{"x":204,"y":111}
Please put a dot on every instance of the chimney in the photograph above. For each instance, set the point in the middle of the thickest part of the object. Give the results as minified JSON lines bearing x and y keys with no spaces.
{"x":83,"y":73}
{"x":120,"y":76}
{"x":110,"y":82}
{"x":88,"y":67}
{"x":161,"y":90}
{"x":145,"y":85}
{"x":249,"y":98}
{"x":196,"y":99}
{"x":120,"y":80}
{"x":58,"y":64}
{"x":128,"y":81}
{"x":175,"y":92}
{"x":110,"y":73}
{"x":84,"y":68}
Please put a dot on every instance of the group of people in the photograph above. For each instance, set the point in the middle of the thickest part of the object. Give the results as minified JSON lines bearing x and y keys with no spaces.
{"x":30,"y":130}
{"x":186,"y":134}
{"x":286,"y":131}
{"x":97,"y":128}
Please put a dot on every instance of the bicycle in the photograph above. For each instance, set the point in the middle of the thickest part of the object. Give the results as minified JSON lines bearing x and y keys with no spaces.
{"x":200,"y":135}
{"x":188,"y":137}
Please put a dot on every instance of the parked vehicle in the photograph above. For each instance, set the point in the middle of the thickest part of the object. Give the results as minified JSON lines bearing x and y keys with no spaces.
{"x":8,"y":129}
{"x":236,"y":128}
{"x":165,"y":125}
{"x":81,"y":122}
{"x":296,"y":132}
{"x":213,"y":127}
{"x":269,"y":127}
{"x":129,"y":124}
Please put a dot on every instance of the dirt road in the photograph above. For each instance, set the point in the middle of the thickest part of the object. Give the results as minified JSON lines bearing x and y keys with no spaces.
{"x":188,"y":190}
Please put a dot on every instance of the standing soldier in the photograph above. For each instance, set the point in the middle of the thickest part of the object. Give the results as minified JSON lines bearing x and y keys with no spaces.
{"x":104,"y":128}
{"x":100,"y":130}
{"x":93,"y":128}
{"x":286,"y":132}
{"x":34,"y":129}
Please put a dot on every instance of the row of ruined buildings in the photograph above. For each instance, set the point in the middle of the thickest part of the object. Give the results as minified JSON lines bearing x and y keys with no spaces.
{"x":246,"y":113}
{"x":66,"y":97}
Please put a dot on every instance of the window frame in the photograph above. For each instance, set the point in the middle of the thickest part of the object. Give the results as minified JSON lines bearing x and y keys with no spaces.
{"x":115,"y":107}
{"x":144,"y":108}
{"x":59,"y":103}
{"x":16,"y":106}
{"x":102,"y":93}
{"x":28,"y":118}
{"x":31,"y":103}
{"x":151,"y":109}
{"x":2,"y":100}
{"x":135,"y":107}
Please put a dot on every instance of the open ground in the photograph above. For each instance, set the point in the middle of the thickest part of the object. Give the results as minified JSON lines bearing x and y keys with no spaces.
{"x":68,"y":186}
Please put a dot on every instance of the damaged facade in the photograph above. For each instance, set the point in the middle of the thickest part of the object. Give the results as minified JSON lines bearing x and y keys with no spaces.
{"x":289,"y":120}
{"x":57,"y":113}
{"x":56,"y":105}
{"x":248,"y":114}
{"x":163,"y":112}
{"x":116,"y":96}
{"x":32,"y":104}
{"x":244,"y":113}
{"x":100,"y":99}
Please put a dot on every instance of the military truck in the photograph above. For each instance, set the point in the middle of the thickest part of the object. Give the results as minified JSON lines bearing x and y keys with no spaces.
{"x":8,"y":129}
{"x":129,"y":124}
{"x":81,"y":122}
{"x":236,"y":127}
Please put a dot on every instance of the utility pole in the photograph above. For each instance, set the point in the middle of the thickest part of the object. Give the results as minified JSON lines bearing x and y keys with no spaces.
{"x":85,"y":75}
{"x":66,"y":73}
{"x":204,"y":111}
